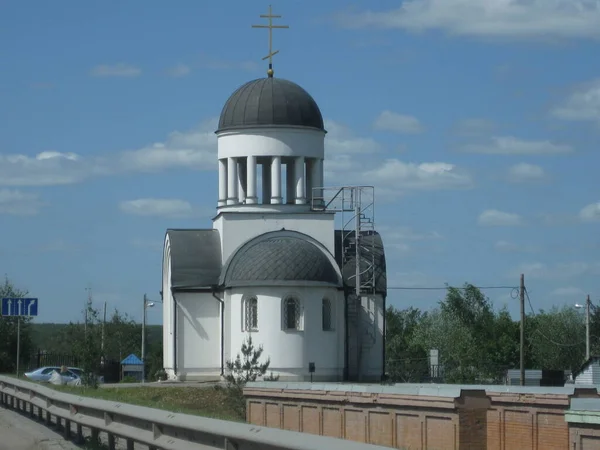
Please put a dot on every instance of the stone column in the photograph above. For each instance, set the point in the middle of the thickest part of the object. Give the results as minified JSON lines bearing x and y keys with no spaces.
{"x":266,"y":183}
{"x":310,"y":162}
{"x":300,"y":181}
{"x":251,"y":198}
{"x":242,"y":180}
{"x":316,"y":170}
{"x":290,"y":190}
{"x":222,"y":182}
{"x":276,"y":180}
{"x":232,"y":182}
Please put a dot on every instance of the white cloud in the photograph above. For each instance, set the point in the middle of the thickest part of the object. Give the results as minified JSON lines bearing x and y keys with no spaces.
{"x":193,"y":149}
{"x":524,"y":172}
{"x":495,"y":218}
{"x":568,"y":270}
{"x":341,"y":140}
{"x":398,"y":238}
{"x":590,"y":213}
{"x":515,"y":19}
{"x":399,"y":123}
{"x":116,"y":70}
{"x":474,"y":127}
{"x":508,"y":145}
{"x":18,"y":203}
{"x":568,"y":292}
{"x":180,"y":70}
{"x":582,"y":105}
{"x":399,"y":176}
{"x":159,"y":207}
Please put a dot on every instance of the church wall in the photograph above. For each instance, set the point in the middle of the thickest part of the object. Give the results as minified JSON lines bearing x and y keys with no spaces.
{"x":372,"y":323}
{"x":237,"y":228}
{"x":167,"y":311}
{"x":290,"y":351}
{"x":272,"y":142}
{"x":198,"y":336}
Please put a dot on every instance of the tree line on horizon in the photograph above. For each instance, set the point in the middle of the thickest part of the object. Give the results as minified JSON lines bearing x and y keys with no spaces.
{"x":477,"y":343}
{"x":81,"y":341}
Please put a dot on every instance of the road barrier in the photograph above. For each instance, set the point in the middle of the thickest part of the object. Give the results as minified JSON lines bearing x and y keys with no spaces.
{"x":158,"y":429}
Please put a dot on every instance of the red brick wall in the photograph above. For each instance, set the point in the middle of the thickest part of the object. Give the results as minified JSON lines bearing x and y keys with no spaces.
{"x":401,"y":421}
{"x":584,"y":436}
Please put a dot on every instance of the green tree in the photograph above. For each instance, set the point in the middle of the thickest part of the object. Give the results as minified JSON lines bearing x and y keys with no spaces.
{"x":9,"y":335}
{"x":557,"y":339}
{"x":243,"y":369}
{"x":406,"y":359}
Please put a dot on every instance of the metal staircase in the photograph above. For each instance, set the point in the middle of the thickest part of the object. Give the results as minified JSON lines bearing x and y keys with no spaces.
{"x":356,"y":205}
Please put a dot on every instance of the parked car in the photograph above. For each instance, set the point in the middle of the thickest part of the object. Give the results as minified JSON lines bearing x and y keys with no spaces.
{"x":43,"y":374}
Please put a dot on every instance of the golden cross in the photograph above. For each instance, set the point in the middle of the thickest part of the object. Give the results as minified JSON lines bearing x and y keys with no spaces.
{"x":270,"y":16}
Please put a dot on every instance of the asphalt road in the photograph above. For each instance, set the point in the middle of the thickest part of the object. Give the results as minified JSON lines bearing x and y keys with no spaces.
{"x":21,"y":433}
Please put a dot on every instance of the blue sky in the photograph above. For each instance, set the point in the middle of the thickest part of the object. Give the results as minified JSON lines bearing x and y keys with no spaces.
{"x":476,"y":120}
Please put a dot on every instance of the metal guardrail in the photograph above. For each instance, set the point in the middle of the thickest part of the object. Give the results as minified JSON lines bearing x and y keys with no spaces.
{"x":158,"y":429}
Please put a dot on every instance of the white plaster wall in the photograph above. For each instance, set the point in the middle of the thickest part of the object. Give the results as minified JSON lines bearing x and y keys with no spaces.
{"x":198,"y":335}
{"x":167,"y":310}
{"x":276,"y":141}
{"x":373,"y":339}
{"x":290,"y":350}
{"x":237,"y":228}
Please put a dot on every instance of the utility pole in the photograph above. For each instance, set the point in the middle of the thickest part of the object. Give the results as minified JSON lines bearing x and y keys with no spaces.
{"x":144,"y":340}
{"x":103,"y":326}
{"x":522,"y":340}
{"x":588,"y":304}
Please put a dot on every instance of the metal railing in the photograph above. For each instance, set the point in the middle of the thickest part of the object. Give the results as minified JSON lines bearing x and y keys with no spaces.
{"x":158,"y":429}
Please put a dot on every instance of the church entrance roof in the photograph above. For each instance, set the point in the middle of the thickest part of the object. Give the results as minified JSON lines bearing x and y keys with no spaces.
{"x":281,"y":258}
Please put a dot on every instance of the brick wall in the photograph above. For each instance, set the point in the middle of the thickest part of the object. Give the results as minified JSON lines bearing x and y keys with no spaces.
{"x":530,"y":418}
{"x":583,"y":418}
{"x":421,"y":417}
{"x":411,"y":418}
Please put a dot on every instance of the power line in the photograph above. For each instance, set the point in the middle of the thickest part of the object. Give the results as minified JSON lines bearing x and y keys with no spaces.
{"x":560,"y":344}
{"x":437,"y":288}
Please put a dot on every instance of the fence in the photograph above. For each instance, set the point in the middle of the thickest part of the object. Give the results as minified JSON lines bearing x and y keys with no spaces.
{"x":152,"y":427}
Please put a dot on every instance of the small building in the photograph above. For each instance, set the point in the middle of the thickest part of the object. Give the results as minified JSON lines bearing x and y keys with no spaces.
{"x":537,"y":377}
{"x":589,"y":372}
{"x":132,"y":366}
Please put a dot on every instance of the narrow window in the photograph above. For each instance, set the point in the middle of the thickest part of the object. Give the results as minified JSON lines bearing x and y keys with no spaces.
{"x":327,"y":315}
{"x":251,"y":314}
{"x":291,"y":311}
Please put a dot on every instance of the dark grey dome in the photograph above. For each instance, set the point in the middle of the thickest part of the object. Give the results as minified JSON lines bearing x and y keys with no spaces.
{"x":270,"y":101}
{"x":279,"y":258}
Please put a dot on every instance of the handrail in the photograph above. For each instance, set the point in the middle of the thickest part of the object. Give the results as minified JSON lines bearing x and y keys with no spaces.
{"x":156,"y":428}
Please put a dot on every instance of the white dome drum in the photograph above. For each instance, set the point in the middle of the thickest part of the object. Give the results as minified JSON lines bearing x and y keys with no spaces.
{"x":266,"y":124}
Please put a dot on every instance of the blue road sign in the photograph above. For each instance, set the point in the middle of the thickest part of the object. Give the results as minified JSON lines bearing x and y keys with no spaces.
{"x":19,"y":306}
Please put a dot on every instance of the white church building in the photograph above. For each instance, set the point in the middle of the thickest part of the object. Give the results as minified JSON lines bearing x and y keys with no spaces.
{"x":274,"y":265}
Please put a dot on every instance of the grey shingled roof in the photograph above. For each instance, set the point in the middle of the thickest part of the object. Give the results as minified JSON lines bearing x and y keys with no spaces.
{"x":268,"y":102}
{"x":280,"y":257}
{"x":195,"y":258}
{"x":349,"y":266}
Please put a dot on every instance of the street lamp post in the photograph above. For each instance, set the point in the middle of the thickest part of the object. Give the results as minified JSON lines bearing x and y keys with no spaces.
{"x":147,"y":304}
{"x":588,"y":304}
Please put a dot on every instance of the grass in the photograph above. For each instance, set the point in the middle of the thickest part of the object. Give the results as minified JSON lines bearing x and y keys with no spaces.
{"x":207,"y":401}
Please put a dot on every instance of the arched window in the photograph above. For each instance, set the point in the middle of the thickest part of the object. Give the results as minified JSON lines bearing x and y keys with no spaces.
{"x":250,"y":314}
{"x":292,"y":314}
{"x":327,"y":315}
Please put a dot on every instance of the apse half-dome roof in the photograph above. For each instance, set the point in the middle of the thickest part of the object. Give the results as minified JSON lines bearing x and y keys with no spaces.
{"x":281,"y":258}
{"x":270,"y":102}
